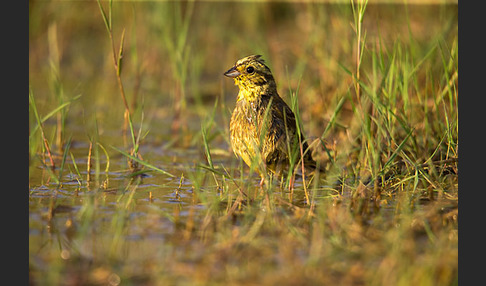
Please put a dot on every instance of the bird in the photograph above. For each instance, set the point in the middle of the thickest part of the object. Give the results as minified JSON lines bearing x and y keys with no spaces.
{"x":263,"y":129}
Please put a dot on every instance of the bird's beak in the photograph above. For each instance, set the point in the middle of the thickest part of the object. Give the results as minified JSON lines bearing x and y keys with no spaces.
{"x":232,"y":72}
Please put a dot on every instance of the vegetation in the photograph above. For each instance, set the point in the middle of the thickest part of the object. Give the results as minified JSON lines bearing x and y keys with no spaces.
{"x":132,"y":180}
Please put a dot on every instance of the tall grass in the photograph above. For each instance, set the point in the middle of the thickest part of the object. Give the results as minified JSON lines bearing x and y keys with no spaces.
{"x":175,"y":38}
{"x":56,"y":84}
{"x":118,"y":64}
{"x":383,"y":213}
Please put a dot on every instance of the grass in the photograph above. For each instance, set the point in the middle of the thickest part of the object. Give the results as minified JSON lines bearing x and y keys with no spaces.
{"x":376,"y":83}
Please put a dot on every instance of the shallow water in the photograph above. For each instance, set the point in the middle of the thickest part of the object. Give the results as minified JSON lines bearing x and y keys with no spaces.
{"x":192,"y":228}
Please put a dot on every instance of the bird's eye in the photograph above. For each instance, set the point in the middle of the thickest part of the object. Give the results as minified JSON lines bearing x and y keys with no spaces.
{"x":250,"y":69}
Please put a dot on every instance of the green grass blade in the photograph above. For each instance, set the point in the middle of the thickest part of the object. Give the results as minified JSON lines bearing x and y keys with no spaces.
{"x":333,"y":116}
{"x":148,"y":165}
{"x":107,"y":23}
{"x":399,"y":148}
{"x":119,"y":63}
{"x":64,"y":156}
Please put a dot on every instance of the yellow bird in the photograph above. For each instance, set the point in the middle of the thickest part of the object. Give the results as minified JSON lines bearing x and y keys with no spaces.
{"x":263,"y":127}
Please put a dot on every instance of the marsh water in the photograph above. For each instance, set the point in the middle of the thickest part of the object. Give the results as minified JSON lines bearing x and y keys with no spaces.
{"x":76,"y":224}
{"x":194,"y":214}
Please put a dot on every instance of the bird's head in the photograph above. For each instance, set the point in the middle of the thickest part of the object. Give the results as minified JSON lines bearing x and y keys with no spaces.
{"x":252,"y":76}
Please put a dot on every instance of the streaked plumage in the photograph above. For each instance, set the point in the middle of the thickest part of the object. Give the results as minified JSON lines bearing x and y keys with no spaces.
{"x":272,"y":140}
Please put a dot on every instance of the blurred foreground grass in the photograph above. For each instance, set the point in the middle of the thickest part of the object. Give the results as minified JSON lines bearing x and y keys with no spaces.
{"x":92,"y":222}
